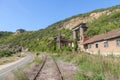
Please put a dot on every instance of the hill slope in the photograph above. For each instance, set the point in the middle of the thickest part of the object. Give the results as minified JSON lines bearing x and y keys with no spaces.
{"x":98,"y":22}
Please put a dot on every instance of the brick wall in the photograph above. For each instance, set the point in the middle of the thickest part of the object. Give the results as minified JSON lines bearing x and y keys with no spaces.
{"x":111,"y":49}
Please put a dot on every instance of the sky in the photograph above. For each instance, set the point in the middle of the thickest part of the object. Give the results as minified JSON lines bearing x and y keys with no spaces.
{"x":38,"y":14}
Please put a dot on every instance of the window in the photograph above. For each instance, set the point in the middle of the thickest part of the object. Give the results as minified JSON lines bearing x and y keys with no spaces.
{"x":90,"y":46}
{"x":118,"y":42}
{"x":96,"y":45}
{"x":106,"y":44}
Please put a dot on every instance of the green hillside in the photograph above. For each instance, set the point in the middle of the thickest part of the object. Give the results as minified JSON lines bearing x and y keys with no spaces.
{"x":104,"y":23}
{"x":5,"y":34}
{"x":38,"y":40}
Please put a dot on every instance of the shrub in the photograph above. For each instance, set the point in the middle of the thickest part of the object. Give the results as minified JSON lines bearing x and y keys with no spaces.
{"x":5,"y":53}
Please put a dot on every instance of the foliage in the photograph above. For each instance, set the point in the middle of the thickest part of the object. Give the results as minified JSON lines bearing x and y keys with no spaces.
{"x":4,"y":34}
{"x":93,"y":67}
{"x":75,"y":45}
{"x":104,"y":24}
{"x":35,"y":40}
{"x":5,"y":53}
{"x":19,"y":75}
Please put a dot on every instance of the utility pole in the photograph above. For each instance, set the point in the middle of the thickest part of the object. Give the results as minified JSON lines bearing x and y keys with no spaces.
{"x":59,"y":40}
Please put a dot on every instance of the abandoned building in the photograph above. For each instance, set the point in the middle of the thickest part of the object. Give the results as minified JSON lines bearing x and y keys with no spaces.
{"x":107,"y":43}
{"x":60,"y":41}
{"x":78,"y":34}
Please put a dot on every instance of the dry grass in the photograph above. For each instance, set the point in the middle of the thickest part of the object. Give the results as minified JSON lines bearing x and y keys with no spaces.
{"x":94,"y":67}
{"x":26,"y":72}
{"x":6,"y":60}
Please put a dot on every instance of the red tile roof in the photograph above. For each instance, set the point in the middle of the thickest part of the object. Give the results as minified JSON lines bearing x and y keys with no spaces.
{"x":105,"y":36}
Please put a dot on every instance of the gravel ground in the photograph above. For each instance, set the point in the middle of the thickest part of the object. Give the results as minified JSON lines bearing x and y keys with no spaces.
{"x":68,"y":70}
{"x":49,"y":71}
{"x":32,"y":70}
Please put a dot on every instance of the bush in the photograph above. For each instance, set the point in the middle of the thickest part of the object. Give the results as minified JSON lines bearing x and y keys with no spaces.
{"x":75,"y":45}
{"x":5,"y":53}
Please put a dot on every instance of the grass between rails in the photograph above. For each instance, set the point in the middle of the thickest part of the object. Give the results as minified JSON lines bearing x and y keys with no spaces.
{"x":93,"y":67}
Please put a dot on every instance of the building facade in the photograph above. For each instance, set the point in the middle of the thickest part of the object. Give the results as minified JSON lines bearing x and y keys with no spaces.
{"x":105,"y":44}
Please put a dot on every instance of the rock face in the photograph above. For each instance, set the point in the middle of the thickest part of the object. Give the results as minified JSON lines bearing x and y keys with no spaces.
{"x":19,"y":31}
{"x":85,"y":19}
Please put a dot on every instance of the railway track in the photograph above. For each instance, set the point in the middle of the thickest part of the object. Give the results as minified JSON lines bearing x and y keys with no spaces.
{"x":53,"y":70}
{"x":43,"y":63}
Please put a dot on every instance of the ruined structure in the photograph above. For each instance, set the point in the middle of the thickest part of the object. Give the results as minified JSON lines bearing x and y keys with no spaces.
{"x":106,"y":43}
{"x":61,"y":41}
{"x":78,"y":34}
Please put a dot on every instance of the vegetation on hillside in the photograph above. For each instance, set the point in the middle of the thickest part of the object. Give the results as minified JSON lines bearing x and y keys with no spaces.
{"x":38,"y":40}
{"x":59,"y":24}
{"x":104,"y":24}
{"x":5,"y":53}
{"x":5,"y":34}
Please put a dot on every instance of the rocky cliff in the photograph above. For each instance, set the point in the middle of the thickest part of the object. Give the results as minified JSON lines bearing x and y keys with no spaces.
{"x":86,"y":19}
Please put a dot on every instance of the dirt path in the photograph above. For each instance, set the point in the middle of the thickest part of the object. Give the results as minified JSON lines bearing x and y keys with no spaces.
{"x":67,"y":69}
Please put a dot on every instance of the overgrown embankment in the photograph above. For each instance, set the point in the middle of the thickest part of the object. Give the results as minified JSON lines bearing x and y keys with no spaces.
{"x":7,"y":56}
{"x":93,"y":67}
{"x":28,"y":71}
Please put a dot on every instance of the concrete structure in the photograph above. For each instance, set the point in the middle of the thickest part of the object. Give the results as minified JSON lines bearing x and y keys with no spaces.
{"x":107,"y":43}
{"x":78,"y":34}
{"x":60,"y":41}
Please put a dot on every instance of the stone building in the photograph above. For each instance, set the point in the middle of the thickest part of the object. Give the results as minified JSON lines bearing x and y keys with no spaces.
{"x":106,"y":43}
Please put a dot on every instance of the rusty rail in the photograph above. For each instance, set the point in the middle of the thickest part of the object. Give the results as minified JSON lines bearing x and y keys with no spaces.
{"x":58,"y":69}
{"x":43,"y":63}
